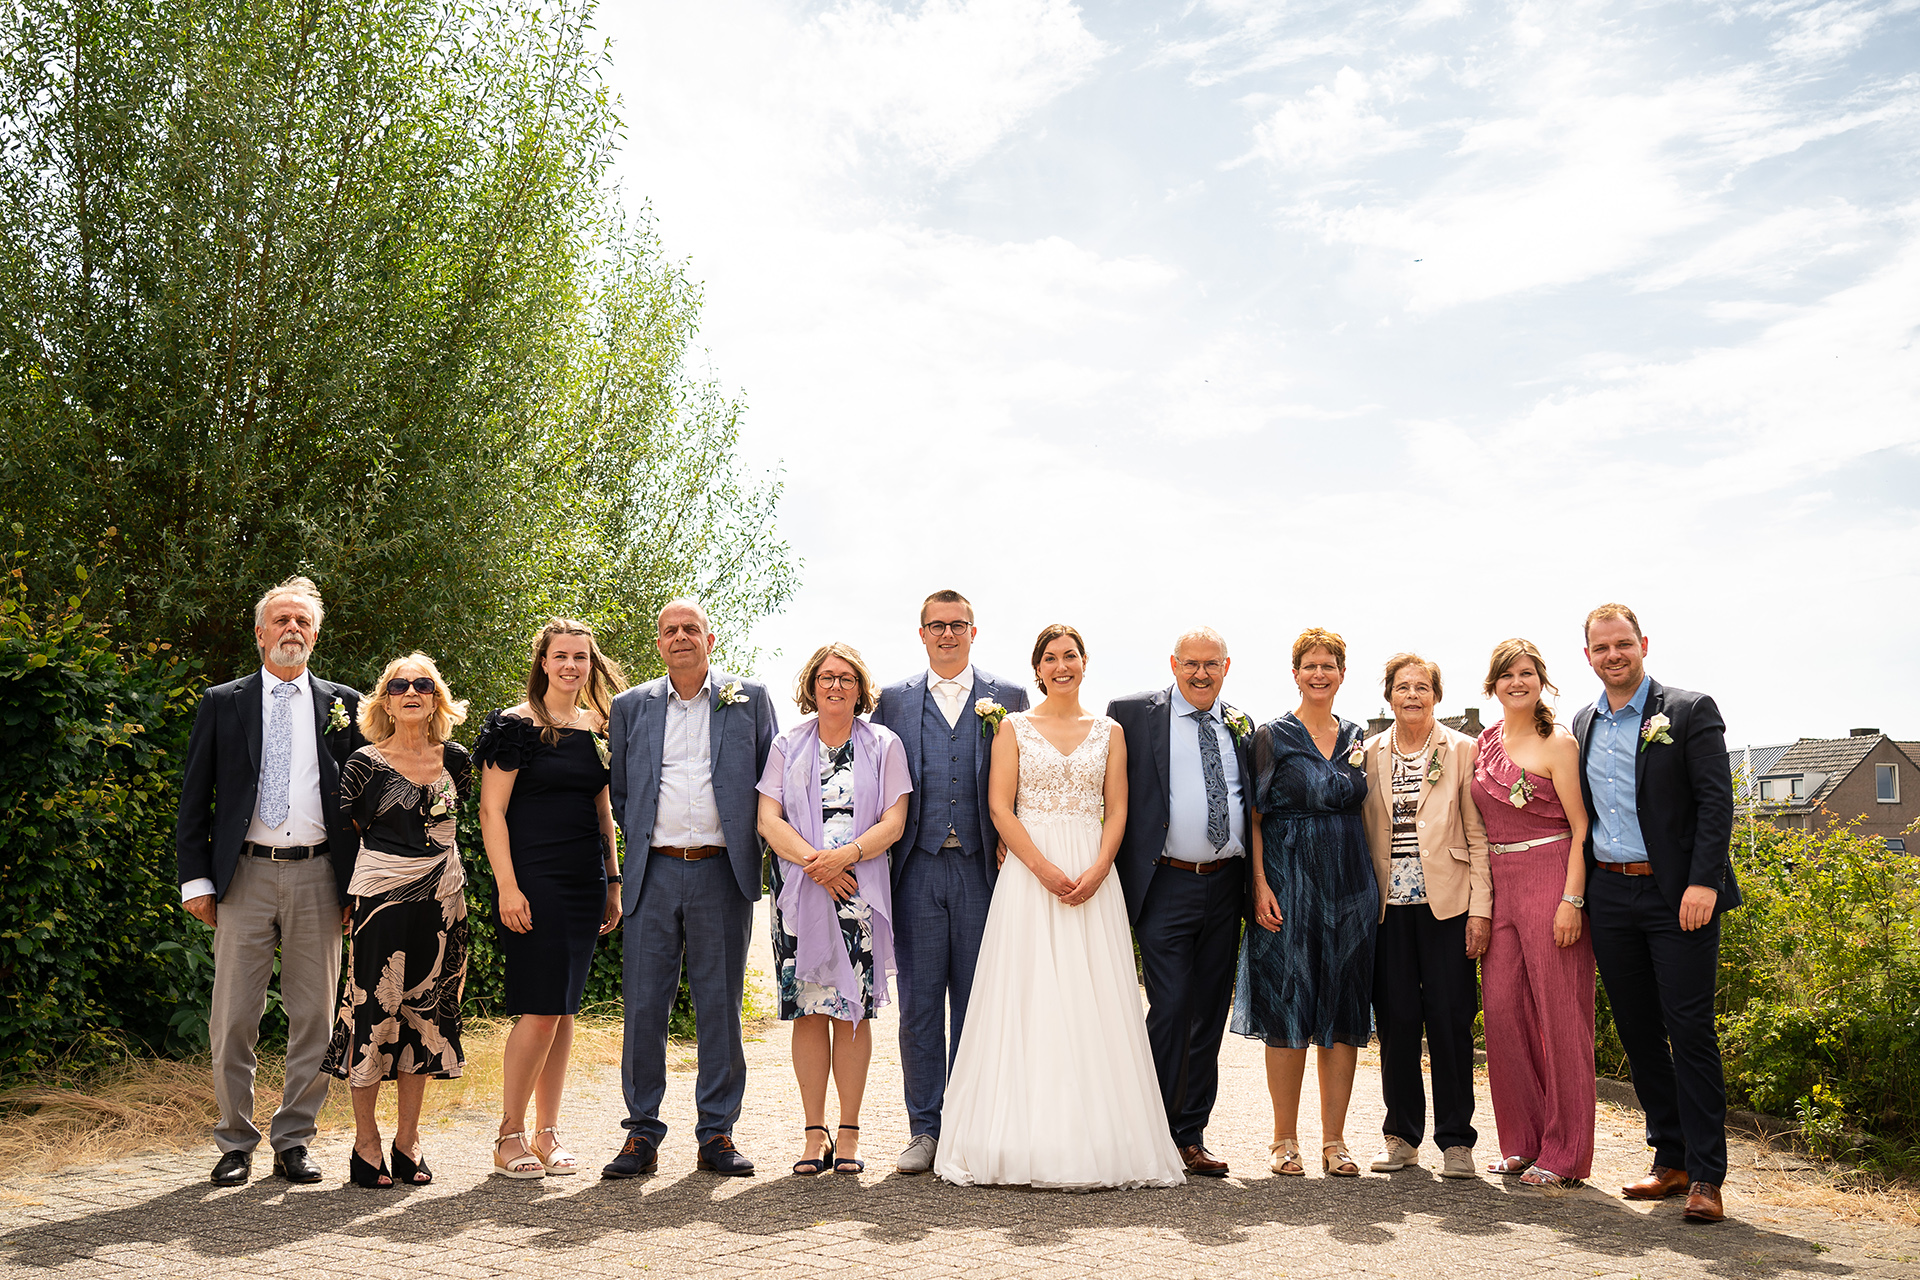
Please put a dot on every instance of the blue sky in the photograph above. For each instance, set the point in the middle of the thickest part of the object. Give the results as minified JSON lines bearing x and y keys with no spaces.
{"x":1432,"y":323}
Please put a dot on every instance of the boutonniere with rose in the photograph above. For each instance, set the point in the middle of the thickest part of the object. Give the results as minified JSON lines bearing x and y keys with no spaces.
{"x":1436,"y":766}
{"x":1238,"y":722}
{"x":730,"y":693}
{"x":1655,"y":730}
{"x":1521,"y":791}
{"x":337,"y":716}
{"x":991,"y":714}
{"x":1357,"y":756}
{"x":601,"y":749}
{"x":444,"y":798}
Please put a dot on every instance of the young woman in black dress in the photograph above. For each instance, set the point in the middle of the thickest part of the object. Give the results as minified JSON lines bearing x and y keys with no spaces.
{"x":548,"y":827}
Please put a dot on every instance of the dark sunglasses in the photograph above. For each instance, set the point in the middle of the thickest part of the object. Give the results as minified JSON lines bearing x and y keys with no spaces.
{"x":419,"y":684}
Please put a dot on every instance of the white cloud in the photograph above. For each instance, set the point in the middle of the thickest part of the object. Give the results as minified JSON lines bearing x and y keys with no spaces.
{"x":1770,"y":250}
{"x":1330,"y":127}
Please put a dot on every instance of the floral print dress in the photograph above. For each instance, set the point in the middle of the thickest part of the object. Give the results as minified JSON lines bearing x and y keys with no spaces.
{"x":798,"y":998}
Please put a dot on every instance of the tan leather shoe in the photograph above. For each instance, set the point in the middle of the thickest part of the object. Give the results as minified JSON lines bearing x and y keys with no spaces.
{"x":1203,"y":1163}
{"x":1703,"y":1203}
{"x":1659,"y":1184}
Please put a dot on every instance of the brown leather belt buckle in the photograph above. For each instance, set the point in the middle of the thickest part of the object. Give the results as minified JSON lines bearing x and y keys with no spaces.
{"x":1627,"y":868}
{"x":1198,"y":868}
{"x":693,"y":854}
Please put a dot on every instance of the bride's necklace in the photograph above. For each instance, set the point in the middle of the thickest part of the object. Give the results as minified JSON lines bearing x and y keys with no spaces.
{"x":1393,"y":741}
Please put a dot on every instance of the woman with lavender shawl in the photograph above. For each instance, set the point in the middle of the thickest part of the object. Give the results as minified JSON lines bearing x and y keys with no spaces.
{"x":833,"y":799}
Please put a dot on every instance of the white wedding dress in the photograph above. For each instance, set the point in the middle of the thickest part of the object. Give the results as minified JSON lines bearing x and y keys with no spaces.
{"x":1054,"y":1083}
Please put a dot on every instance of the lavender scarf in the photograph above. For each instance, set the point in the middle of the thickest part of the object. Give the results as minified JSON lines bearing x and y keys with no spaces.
{"x":879,"y":779}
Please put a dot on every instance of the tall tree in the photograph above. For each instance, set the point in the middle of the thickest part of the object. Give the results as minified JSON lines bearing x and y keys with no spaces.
{"x":338,"y":286}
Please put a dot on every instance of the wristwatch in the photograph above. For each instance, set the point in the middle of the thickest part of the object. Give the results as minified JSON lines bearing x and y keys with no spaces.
{"x":1574,"y":899}
{"x":613,"y":879}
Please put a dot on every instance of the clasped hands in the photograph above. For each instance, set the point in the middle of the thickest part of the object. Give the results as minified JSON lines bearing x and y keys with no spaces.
{"x":832,"y":870}
{"x":1071,"y":890}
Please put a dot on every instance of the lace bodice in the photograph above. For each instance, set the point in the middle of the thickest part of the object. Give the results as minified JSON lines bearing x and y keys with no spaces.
{"x":1057,"y":786}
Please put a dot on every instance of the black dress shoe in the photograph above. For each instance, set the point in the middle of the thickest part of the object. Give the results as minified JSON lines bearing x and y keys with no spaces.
{"x":636,"y":1157}
{"x":233,"y":1168}
{"x":719,"y":1155}
{"x":295,"y":1165}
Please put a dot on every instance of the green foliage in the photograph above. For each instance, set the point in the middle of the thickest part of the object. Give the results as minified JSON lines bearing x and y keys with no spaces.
{"x":339,"y":288}
{"x":95,"y":953}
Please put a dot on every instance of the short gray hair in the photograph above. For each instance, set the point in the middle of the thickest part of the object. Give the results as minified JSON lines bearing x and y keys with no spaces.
{"x":684,"y":602}
{"x":1200,"y":633}
{"x":295,"y":586}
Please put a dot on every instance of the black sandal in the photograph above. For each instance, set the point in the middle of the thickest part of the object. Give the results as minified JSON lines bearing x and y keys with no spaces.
{"x":408,"y":1173}
{"x":362,"y":1174}
{"x":847,"y":1164}
{"x":809,"y":1168}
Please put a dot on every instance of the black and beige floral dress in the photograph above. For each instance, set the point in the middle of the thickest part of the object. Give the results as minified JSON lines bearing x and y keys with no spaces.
{"x":407,"y":964}
{"x":799,"y":997}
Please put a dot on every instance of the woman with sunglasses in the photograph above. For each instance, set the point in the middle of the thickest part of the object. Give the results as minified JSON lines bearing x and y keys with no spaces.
{"x":833,"y":799}
{"x":547,"y":821}
{"x":407,"y":963}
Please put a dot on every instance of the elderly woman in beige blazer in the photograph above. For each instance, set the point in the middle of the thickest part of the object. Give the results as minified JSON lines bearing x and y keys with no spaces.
{"x":1436,"y":893}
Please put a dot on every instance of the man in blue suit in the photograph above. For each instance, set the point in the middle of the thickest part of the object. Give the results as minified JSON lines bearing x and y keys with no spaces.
{"x":687,"y":751}
{"x":947,"y":859}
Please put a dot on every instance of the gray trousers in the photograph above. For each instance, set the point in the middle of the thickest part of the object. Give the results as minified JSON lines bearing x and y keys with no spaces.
{"x":294,"y":906}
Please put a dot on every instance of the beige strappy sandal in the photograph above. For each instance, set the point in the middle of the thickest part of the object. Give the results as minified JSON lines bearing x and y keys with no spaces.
{"x":558,"y":1161}
{"x":1286,"y":1158}
{"x":1338,"y":1163}
{"x":524,"y":1165}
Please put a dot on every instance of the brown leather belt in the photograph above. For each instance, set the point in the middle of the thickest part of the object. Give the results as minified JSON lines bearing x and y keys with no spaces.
{"x":1626,"y":868}
{"x":283,"y":853}
{"x":695,"y":854}
{"x":1198,"y":868}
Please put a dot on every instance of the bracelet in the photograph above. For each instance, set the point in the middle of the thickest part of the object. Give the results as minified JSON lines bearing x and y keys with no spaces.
{"x":857,"y":849}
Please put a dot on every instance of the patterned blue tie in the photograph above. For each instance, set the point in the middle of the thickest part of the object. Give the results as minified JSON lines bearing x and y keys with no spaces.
{"x":1216,"y":776}
{"x":276,"y":762}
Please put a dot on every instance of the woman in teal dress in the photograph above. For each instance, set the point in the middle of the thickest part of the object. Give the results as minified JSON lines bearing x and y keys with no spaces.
{"x":1306,"y":973}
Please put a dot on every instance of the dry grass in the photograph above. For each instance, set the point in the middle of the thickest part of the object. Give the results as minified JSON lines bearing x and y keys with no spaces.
{"x":1848,"y":1195}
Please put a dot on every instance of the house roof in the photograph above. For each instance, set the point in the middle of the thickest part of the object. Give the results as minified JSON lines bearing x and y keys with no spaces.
{"x":1763,"y":762}
{"x":1835,"y":757}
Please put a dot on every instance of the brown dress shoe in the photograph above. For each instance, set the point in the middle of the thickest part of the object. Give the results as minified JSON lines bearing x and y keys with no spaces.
{"x":1202,"y":1163}
{"x":1703,"y":1203}
{"x":1660,"y":1183}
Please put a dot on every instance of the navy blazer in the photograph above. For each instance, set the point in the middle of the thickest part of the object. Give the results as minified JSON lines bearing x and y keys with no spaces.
{"x":742,"y":733}
{"x":220,"y":786}
{"x":899,"y":709}
{"x":1683,"y":792}
{"x":1146,"y":720}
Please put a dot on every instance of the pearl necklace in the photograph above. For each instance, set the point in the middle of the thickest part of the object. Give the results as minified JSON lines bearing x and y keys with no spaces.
{"x":1393,"y":741}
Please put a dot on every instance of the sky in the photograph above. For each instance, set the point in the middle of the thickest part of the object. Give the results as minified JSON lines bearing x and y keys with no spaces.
{"x":1431,"y":323}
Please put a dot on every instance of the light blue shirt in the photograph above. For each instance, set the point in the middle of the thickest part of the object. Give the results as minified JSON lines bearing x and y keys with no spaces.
{"x":1187,"y":787}
{"x":1612,"y":754}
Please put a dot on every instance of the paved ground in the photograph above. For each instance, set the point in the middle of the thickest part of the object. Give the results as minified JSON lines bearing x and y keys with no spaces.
{"x":158,"y":1215}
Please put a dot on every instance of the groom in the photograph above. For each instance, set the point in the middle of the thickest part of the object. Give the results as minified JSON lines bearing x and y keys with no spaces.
{"x":687,"y":751}
{"x":1653,"y":767}
{"x":944,"y":865}
{"x":1183,"y":866}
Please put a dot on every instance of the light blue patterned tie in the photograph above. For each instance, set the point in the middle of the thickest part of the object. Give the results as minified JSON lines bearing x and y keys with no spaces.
{"x":276,"y":762}
{"x":1216,"y":776}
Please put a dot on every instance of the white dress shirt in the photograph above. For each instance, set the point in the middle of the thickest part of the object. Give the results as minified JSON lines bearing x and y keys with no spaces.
{"x":687,"y":815}
{"x":306,"y":823}
{"x":1187,"y":787}
{"x":951,"y":695}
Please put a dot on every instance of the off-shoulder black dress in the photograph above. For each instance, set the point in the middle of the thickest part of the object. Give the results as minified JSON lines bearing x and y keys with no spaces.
{"x":553,"y":833}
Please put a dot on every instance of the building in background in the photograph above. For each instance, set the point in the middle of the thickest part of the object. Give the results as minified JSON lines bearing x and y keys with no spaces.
{"x":1817,"y":783}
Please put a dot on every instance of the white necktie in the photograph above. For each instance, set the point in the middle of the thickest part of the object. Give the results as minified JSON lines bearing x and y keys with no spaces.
{"x":949,"y":693}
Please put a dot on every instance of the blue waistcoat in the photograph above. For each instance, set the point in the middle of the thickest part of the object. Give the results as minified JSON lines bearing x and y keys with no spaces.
{"x":949,"y":777}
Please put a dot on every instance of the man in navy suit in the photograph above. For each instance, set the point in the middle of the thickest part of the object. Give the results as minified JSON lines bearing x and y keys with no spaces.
{"x":1183,"y":866}
{"x":1653,"y":770}
{"x":687,"y":751}
{"x":946,"y":861}
{"x":265,"y":856}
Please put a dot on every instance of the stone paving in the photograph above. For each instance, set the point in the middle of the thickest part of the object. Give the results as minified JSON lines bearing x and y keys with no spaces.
{"x":157,"y":1215}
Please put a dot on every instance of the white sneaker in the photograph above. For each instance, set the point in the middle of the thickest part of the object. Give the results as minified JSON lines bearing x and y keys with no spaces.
{"x":1457,"y":1162}
{"x":918,"y":1157}
{"x":1395,"y":1156}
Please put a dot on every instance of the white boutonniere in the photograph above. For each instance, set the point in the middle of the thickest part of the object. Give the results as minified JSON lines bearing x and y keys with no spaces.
{"x":444,"y":797}
{"x":337,"y":716}
{"x":991,"y":714}
{"x":1655,"y":730}
{"x":1238,"y":722}
{"x":1521,"y":791}
{"x":601,"y":749}
{"x":730,"y":693}
{"x":1357,"y":756}
{"x":1436,"y":766}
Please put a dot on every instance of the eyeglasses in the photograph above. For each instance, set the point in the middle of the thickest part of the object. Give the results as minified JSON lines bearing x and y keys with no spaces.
{"x":1195,"y":668}
{"x":946,"y":628}
{"x":826,"y":681}
{"x":419,"y":684}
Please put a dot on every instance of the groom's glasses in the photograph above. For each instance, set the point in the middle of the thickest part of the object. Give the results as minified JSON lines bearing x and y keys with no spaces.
{"x":946,"y":628}
{"x":419,"y":684}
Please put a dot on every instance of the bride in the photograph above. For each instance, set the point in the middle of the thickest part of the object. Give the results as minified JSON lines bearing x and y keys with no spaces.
{"x":1054,"y":1084}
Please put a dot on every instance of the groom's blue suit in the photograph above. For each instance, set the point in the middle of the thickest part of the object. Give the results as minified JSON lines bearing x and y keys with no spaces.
{"x":700,"y":911}
{"x":941,"y":889}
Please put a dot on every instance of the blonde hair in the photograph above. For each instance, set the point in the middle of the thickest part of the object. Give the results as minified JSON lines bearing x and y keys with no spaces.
{"x":1606,"y":611}
{"x":377,"y":725}
{"x":603,"y":681}
{"x":1505,"y":654}
{"x":297,"y":585}
{"x":803,"y":685}
{"x":1320,"y":638}
{"x":1400,"y":660}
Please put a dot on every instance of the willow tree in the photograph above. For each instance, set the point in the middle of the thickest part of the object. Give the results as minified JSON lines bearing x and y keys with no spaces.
{"x":339,"y":287}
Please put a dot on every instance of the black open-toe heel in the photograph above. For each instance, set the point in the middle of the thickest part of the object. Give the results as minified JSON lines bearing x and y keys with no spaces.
{"x":406,"y":1172}
{"x":809,"y":1168}
{"x":847,"y":1164}
{"x":363,"y":1174}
